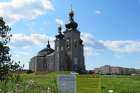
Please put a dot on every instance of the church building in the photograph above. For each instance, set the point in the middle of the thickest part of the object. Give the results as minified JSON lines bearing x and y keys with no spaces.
{"x":67,"y":55}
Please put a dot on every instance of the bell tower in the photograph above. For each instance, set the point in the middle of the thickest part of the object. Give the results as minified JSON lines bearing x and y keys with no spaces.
{"x":60,"y":63}
{"x":74,"y":45}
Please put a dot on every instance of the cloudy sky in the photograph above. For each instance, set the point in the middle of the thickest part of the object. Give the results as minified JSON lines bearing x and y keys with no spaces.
{"x":110,"y":28}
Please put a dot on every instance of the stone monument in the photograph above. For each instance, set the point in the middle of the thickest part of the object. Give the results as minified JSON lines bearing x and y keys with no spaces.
{"x":66,"y":84}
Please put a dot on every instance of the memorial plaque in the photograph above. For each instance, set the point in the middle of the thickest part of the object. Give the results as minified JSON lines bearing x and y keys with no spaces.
{"x":67,"y":84}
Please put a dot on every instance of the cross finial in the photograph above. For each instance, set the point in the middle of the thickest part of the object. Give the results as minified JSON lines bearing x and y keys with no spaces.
{"x":71,"y":14}
{"x":71,"y":7}
{"x":48,"y":42}
{"x":48,"y":46}
{"x":59,"y":28}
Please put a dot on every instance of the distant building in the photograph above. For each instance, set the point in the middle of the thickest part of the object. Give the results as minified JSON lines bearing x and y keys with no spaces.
{"x":116,"y":70}
{"x":68,"y":54}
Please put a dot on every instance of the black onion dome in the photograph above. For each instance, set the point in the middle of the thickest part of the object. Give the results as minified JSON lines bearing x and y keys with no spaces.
{"x":60,"y":35}
{"x":46,"y":51}
{"x":72,"y":24}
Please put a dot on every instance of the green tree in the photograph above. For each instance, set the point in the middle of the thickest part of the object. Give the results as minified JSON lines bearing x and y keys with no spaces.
{"x":6,"y":64}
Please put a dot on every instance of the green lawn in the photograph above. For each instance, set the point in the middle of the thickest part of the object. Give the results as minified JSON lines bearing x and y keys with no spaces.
{"x":87,"y":83}
{"x":100,"y":84}
{"x":121,"y":84}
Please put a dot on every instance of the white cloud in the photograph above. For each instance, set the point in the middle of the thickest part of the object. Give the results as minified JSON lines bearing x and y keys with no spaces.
{"x":118,"y":46}
{"x":128,"y":46}
{"x":16,"y":10}
{"x":88,"y":51}
{"x":92,"y":46}
{"x":25,"y":41}
{"x":59,"y":21}
{"x":98,"y":12}
{"x":89,"y":40}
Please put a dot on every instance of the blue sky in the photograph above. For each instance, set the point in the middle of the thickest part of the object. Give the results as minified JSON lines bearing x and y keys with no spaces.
{"x":110,"y":28}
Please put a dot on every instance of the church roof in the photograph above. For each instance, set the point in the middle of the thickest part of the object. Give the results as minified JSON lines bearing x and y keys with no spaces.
{"x":46,"y":51}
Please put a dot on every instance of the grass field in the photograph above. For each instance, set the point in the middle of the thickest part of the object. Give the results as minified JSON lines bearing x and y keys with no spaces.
{"x":102,"y":84}
{"x":121,"y":84}
{"x":88,"y":83}
{"x":85,"y":83}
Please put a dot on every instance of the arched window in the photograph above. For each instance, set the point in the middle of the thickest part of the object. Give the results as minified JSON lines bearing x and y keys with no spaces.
{"x":68,"y":43}
{"x":62,"y":48}
{"x":75,"y":43}
{"x":57,"y":49}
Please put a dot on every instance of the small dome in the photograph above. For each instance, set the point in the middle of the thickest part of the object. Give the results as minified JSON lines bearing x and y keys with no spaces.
{"x":46,"y":51}
{"x":60,"y":35}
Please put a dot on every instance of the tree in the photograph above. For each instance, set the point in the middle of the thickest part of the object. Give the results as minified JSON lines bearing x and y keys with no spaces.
{"x":6,"y":64}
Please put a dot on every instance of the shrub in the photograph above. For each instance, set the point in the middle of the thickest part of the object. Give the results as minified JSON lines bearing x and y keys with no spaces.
{"x":29,"y":72}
